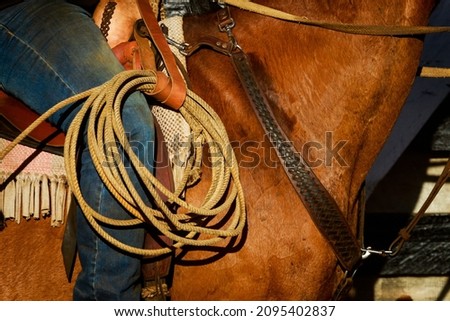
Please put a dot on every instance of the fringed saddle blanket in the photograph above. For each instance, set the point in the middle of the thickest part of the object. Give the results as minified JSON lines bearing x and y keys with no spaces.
{"x":38,"y":190}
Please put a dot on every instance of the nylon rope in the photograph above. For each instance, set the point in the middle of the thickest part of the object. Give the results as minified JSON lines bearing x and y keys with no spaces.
{"x":106,"y":137}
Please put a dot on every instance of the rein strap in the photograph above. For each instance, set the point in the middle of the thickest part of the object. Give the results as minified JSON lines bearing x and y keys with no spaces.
{"x":371,"y":30}
{"x":321,"y":206}
{"x":173,"y":91}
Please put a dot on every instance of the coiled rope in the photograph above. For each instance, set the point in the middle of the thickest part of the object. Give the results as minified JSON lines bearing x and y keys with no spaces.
{"x":106,"y":136}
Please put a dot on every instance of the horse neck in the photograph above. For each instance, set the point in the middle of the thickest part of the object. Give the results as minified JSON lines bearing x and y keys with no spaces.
{"x":356,"y":11}
{"x":331,"y":92}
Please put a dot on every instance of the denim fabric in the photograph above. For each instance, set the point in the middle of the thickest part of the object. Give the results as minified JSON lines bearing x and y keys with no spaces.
{"x":50,"y":50}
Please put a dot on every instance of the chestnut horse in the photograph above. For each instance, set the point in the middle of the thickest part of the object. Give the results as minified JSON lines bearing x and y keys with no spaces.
{"x":332,"y":92}
{"x":336,"y":97}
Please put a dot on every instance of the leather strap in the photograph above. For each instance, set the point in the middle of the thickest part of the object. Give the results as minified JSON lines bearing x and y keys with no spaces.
{"x":321,"y":206}
{"x":373,"y":30}
{"x":146,"y":55}
{"x":173,"y":91}
{"x":323,"y":210}
{"x":21,"y":116}
{"x":69,"y":242}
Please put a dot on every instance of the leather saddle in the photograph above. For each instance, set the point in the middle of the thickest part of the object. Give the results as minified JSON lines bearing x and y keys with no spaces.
{"x":15,"y":116}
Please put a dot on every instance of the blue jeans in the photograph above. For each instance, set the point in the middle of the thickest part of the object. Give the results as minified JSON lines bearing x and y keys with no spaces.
{"x":50,"y":50}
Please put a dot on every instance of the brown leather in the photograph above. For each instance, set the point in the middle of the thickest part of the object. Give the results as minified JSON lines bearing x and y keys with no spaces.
{"x":158,"y":267}
{"x":146,"y":54}
{"x":209,"y":42}
{"x":128,"y":55}
{"x":21,"y":116}
{"x":163,"y":88}
{"x":322,"y":207}
{"x":175,"y":93}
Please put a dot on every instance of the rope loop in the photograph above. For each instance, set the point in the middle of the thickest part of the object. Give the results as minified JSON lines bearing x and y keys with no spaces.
{"x":222,"y":212}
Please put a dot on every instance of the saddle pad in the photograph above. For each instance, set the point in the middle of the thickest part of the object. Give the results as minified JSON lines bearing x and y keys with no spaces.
{"x":33,"y":185}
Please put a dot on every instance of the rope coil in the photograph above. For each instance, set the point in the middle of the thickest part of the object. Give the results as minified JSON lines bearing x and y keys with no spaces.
{"x":106,"y":136}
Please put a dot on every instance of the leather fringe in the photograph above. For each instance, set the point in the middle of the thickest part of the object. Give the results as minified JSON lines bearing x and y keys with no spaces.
{"x":35,"y":196}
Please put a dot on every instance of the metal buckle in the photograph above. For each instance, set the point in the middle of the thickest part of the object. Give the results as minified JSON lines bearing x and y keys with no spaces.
{"x":226,"y":24}
{"x":141,"y":29}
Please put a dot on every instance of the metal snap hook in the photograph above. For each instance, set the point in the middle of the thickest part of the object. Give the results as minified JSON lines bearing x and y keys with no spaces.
{"x":369,"y":251}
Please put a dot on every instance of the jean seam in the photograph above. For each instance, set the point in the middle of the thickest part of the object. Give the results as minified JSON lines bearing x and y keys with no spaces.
{"x":41,"y":58}
{"x":97,"y":242}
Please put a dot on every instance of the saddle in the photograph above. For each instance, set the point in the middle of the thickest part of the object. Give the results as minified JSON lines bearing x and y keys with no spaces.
{"x":15,"y":117}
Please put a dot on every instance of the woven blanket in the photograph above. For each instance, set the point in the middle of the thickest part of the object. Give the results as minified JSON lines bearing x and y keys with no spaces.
{"x":37,"y":190}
